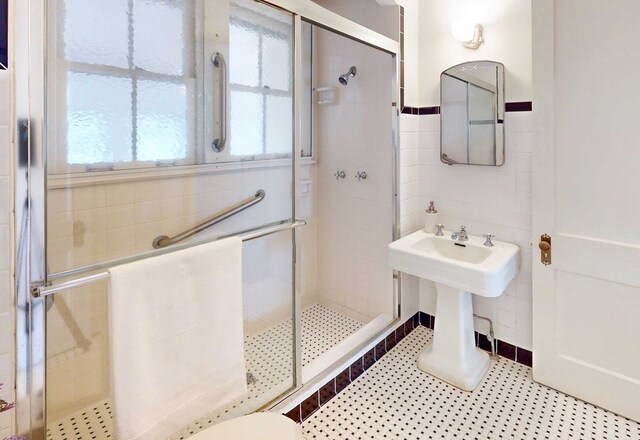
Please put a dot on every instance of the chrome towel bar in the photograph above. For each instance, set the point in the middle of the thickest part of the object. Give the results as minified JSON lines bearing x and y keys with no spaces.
{"x":38,"y":290}
{"x":164,"y":240}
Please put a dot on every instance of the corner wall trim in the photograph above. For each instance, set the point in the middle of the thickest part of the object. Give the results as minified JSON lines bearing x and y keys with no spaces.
{"x":333,"y":387}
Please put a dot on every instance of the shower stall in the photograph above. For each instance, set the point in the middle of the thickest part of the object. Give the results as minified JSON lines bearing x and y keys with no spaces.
{"x":149,"y":126}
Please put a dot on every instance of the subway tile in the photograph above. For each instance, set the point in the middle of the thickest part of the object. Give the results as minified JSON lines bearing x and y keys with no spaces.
{"x":6,"y":331}
{"x":147,"y":212}
{"x":5,"y":243}
{"x":92,"y":220}
{"x":120,"y":239}
{"x":524,"y":357}
{"x":5,"y":289}
{"x":295,"y":414}
{"x":484,"y":343}
{"x":380,"y":349}
{"x":343,"y":380}
{"x":119,"y":194}
{"x":309,"y":406}
{"x":524,"y":162}
{"x":327,"y":392}
{"x":89,"y":197}
{"x":120,"y":216}
{"x":356,"y":369}
{"x":146,"y":191}
{"x":369,"y":359}
{"x":507,"y":350}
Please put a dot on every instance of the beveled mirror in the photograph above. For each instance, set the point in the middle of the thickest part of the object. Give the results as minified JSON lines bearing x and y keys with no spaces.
{"x":472,"y":114}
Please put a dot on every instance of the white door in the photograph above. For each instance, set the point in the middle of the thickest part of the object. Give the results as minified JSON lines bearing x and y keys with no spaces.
{"x":586,"y":196}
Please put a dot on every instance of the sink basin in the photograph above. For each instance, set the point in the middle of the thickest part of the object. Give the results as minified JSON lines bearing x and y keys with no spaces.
{"x":458,"y":269}
{"x":469,"y":266}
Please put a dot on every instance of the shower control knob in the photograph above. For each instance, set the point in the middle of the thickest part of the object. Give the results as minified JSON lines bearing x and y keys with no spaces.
{"x":340,"y":175}
{"x":361,"y":175}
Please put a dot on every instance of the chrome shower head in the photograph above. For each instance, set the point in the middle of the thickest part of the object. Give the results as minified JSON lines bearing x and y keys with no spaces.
{"x":344,"y":79}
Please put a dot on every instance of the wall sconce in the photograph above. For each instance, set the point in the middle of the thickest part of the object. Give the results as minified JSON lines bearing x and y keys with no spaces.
{"x":469,"y":33}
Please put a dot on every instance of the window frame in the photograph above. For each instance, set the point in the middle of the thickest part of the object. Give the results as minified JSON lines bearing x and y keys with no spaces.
{"x":57,"y":112}
{"x":261,"y":30}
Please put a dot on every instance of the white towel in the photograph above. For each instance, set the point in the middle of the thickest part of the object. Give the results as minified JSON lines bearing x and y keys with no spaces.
{"x":177,"y":349}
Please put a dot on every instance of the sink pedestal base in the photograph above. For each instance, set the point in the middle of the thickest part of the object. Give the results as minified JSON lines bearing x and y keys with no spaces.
{"x":453,"y":356}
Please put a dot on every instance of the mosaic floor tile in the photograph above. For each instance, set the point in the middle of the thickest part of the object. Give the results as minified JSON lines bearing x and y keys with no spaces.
{"x":395,"y":400}
{"x":269,"y":361}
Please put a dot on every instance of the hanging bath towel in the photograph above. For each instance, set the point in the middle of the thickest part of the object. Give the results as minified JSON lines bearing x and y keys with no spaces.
{"x":176,"y":338}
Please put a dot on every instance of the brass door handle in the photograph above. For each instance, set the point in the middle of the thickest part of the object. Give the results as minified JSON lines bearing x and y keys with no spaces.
{"x":545,"y":249}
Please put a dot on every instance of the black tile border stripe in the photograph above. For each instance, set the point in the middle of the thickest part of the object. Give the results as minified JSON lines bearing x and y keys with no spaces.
{"x":334,"y":386}
{"x":4,"y":33}
{"x":523,"y":106}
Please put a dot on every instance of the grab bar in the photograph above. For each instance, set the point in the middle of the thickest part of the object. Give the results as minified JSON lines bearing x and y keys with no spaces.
{"x":164,"y":240}
{"x":38,"y":290}
{"x":218,"y":61}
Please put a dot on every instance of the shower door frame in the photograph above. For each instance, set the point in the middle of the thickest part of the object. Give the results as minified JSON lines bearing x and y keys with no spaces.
{"x":28,"y":47}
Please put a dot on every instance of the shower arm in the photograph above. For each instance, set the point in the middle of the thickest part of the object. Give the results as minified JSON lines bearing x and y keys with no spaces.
{"x":164,"y":240}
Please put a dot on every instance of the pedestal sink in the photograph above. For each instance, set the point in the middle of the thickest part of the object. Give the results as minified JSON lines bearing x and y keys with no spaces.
{"x":458,"y":269}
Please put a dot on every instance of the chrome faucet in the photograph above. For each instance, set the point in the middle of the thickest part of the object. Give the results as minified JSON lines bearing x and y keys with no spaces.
{"x":461,"y":235}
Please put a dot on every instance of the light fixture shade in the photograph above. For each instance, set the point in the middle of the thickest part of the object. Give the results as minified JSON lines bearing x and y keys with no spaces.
{"x":463,"y":30}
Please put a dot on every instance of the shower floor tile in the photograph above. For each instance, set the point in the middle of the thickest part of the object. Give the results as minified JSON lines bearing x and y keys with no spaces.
{"x":395,"y":400}
{"x":269,"y":361}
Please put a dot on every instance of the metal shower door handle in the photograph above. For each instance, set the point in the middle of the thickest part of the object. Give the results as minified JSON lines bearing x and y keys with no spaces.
{"x":218,"y":61}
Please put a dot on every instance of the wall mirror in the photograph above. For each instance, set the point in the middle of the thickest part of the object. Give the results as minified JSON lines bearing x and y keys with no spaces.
{"x":472,"y":114}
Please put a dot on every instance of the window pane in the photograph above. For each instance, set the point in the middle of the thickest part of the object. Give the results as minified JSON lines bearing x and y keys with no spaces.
{"x":96,"y":31}
{"x":279,"y":128}
{"x":162,"y":121}
{"x":244,"y":52}
{"x":159,"y":40}
{"x":276,"y":60}
{"x":246,"y":123}
{"x":99,"y":119}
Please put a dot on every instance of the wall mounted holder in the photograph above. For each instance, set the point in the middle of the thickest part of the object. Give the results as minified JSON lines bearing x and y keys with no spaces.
{"x":326,"y":95}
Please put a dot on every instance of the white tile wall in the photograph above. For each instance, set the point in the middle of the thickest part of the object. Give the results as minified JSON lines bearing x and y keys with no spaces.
{"x":89,"y":224}
{"x":485,"y":199}
{"x":6,"y":301}
{"x":354,"y":217}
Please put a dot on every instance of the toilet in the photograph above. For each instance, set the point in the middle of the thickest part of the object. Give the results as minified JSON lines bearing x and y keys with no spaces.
{"x":259,"y":426}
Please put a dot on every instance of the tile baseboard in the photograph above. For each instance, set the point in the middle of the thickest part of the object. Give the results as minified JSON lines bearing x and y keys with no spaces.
{"x":334,"y":386}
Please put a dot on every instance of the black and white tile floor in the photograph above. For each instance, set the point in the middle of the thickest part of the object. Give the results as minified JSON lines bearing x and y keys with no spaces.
{"x":269,"y":362}
{"x":395,"y":400}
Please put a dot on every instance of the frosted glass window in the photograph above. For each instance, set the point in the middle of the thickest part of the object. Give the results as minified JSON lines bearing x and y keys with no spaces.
{"x":279,"y":127}
{"x":246,"y":129}
{"x":260,"y":82}
{"x":159,"y":40}
{"x":244,"y":56}
{"x":276,"y":56}
{"x":99,"y":119}
{"x":128,"y":73}
{"x":162,"y":114}
{"x":96,"y":32}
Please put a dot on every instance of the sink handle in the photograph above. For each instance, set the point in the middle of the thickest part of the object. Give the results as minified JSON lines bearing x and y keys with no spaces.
{"x":439,"y":232}
{"x":488,"y":241}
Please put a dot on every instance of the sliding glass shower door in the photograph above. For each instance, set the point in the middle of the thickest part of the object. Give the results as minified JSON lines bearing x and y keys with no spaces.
{"x":162,"y":115}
